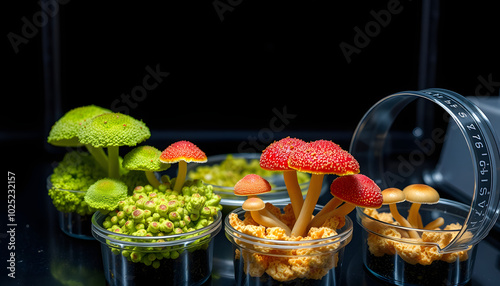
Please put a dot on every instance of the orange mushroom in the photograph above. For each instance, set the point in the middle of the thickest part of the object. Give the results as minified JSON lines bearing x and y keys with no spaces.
{"x":318,"y":158}
{"x":182,"y":152}
{"x":252,"y":185}
{"x":392,"y":196}
{"x":355,"y":190}
{"x":419,"y":194}
{"x":275,"y":158}
{"x":261,"y":215}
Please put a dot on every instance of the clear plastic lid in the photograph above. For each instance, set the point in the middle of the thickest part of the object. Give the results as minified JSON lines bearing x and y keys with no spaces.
{"x":455,"y":151}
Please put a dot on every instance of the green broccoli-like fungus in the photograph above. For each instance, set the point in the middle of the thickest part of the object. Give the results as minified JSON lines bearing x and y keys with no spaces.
{"x":64,"y":132}
{"x":71,"y":179}
{"x":112,"y":130}
{"x":160,"y":212}
{"x":147,"y":159}
{"x":74,"y":175}
{"x":105,"y":194}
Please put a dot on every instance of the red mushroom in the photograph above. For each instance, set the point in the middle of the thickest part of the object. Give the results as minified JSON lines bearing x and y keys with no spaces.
{"x":275,"y":158}
{"x":252,"y":185}
{"x":182,"y":152}
{"x":318,"y":158}
{"x":355,"y":190}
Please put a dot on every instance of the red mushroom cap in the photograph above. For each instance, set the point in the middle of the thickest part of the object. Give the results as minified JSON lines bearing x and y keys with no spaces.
{"x":275,"y":156}
{"x":323,"y":157}
{"x":251,"y":185}
{"x":358,"y":190}
{"x":183,"y":150}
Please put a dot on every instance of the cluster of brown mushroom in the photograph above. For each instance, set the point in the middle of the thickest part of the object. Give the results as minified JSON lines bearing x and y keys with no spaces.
{"x":318,"y":158}
{"x":417,"y":194}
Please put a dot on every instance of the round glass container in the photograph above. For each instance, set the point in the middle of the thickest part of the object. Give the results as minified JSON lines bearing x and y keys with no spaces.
{"x":72,"y":223}
{"x":404,"y":138}
{"x":260,"y":261}
{"x":230,"y":201}
{"x":180,"y":259}
{"x":391,"y":256}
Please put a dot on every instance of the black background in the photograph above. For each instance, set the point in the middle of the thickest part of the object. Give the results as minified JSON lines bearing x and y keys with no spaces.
{"x":230,"y":71}
{"x":233,"y":69}
{"x":231,"y":74}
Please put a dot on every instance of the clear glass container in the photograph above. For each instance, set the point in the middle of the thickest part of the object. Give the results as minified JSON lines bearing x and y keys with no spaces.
{"x":259,"y":261}
{"x":71,"y":223}
{"x":392,"y":256}
{"x":403,"y":139}
{"x":180,"y":259}
{"x":230,"y":201}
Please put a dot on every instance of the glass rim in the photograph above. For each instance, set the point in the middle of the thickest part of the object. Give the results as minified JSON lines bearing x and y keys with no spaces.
{"x":447,"y":202}
{"x":362,"y":217}
{"x":343,"y":236}
{"x":367,"y":146}
{"x":227,"y":192}
{"x":248,"y":156}
{"x":100,"y":233}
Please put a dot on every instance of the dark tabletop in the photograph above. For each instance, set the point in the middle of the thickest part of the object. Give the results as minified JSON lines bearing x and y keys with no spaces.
{"x":46,"y":256}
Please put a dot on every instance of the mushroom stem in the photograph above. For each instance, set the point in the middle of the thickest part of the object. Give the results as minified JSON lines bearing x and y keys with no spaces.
{"x":265,"y":218}
{"x":294,"y":191}
{"x":323,"y":215}
{"x":113,"y":163}
{"x":99,"y":156}
{"x":343,"y":210}
{"x":309,"y":204}
{"x":413,"y":215}
{"x":402,"y":221}
{"x":435,"y":223}
{"x":153,"y":181}
{"x":181,"y":176}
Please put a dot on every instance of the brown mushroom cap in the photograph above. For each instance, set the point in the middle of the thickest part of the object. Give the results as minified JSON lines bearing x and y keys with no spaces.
{"x":393,"y":196}
{"x":251,"y":184}
{"x":253,"y":204}
{"x":183,"y":150}
{"x":323,"y":157}
{"x":275,"y":156}
{"x":420,"y":193}
{"x":358,"y":190}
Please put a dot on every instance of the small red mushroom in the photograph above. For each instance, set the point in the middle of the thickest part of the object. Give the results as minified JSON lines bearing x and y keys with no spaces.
{"x":275,"y":158}
{"x":355,"y":190}
{"x":318,"y":158}
{"x":252,"y":185}
{"x":182,"y":152}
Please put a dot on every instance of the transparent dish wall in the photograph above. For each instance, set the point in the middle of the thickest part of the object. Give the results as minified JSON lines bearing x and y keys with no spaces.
{"x":434,"y":137}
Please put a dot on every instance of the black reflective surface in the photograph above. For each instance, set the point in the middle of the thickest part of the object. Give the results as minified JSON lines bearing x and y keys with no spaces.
{"x":46,"y":256}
